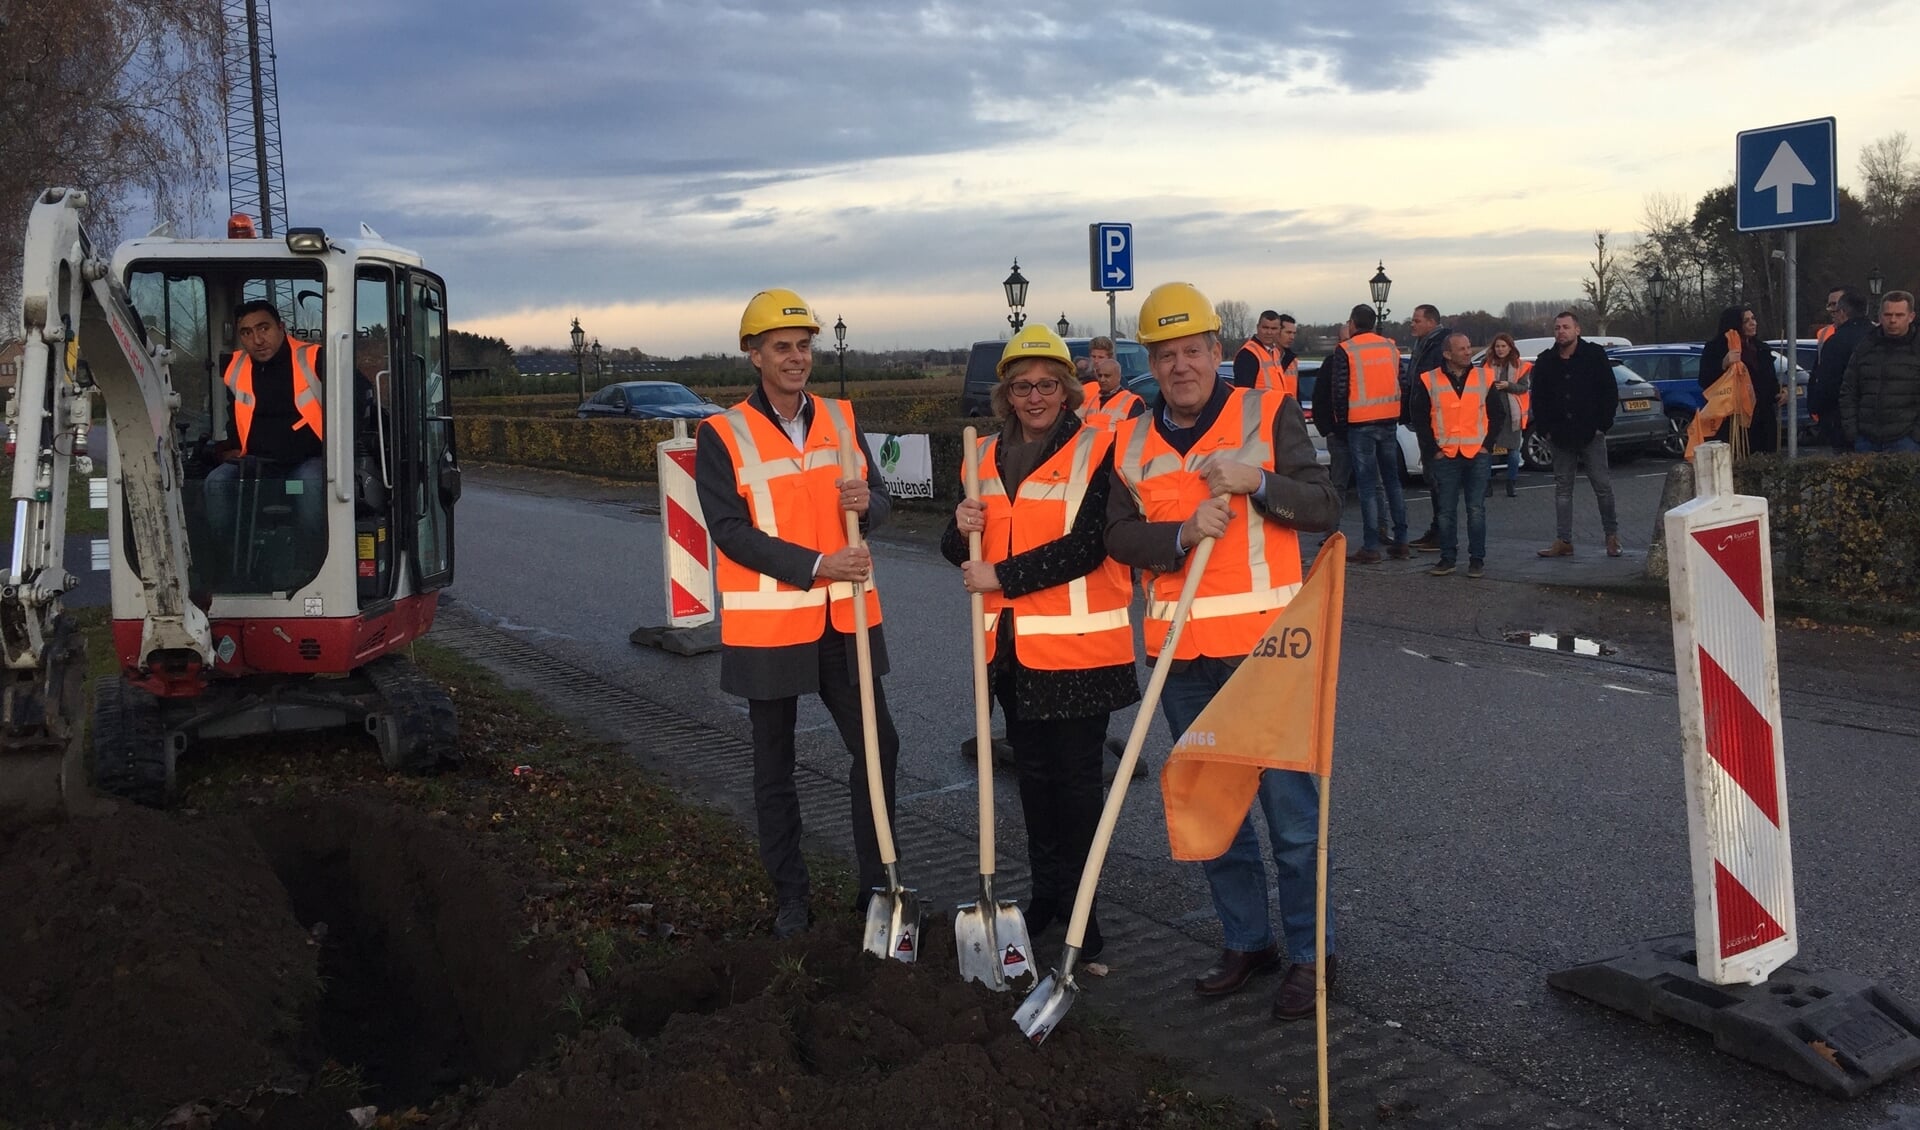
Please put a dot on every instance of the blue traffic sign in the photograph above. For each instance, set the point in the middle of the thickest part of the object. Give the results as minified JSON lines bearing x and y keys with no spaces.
{"x":1111,"y":255}
{"x":1786,"y":176}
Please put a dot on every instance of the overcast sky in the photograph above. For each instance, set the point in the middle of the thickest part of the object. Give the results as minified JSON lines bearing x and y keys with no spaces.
{"x":648,"y":166}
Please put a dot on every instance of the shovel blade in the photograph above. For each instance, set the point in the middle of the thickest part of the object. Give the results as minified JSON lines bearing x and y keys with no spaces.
{"x":1046,"y":1006}
{"x":893,"y":924}
{"x":1016,"y":948}
{"x":993,"y":947}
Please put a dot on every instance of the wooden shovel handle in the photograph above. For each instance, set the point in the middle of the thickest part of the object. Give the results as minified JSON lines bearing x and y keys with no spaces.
{"x":1142,"y":722}
{"x":863,"y":652}
{"x":977,"y":625}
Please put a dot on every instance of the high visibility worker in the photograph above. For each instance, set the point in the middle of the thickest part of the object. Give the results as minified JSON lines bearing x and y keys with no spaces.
{"x":1235,"y":465}
{"x":1105,"y":403}
{"x":1267,"y":360}
{"x":1059,"y":641}
{"x":1360,"y":384}
{"x":275,"y":419}
{"x":1459,"y":413}
{"x":768,"y":473}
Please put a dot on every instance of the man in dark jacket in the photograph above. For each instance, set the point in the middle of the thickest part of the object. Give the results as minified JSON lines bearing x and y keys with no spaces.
{"x":1880,"y":391}
{"x":1429,"y":353}
{"x":1850,"y":326}
{"x":1574,"y":397}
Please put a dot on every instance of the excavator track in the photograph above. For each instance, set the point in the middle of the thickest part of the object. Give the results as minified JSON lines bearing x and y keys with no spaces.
{"x":417,"y":726}
{"x":132,"y":757}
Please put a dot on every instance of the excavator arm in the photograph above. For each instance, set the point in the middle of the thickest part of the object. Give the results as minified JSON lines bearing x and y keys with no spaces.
{"x":69,"y":294}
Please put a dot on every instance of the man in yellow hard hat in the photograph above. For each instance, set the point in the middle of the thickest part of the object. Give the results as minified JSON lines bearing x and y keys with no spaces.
{"x":1235,"y":465}
{"x":768,"y":474}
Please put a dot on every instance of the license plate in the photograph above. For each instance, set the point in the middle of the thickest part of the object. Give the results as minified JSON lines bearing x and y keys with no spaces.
{"x":1639,"y":405}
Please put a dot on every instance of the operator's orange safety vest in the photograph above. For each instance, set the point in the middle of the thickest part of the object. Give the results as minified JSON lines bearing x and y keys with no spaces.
{"x":1274,"y":376}
{"x":1459,"y":418}
{"x":1824,"y":332}
{"x":306,"y":390}
{"x":1522,"y":402}
{"x":791,"y":495}
{"x":1108,"y":413}
{"x":1084,"y":622}
{"x":1255,"y":569}
{"x":1373,"y":379}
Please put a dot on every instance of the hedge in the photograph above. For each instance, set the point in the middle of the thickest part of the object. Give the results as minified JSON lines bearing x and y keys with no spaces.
{"x":617,"y":449}
{"x":1845,"y":529}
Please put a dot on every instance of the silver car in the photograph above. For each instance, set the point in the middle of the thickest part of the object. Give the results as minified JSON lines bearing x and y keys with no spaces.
{"x":1640,"y":425}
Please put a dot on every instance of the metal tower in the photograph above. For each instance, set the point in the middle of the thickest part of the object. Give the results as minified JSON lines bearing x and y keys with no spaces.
{"x":256,"y":173}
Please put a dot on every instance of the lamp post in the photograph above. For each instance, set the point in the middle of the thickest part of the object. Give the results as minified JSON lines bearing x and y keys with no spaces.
{"x":579,"y":337}
{"x":1016,"y":288}
{"x":1657,"y":296}
{"x":840,"y":347}
{"x":599,"y":373}
{"x":1063,"y":325}
{"x":1380,"y":284}
{"x":1875,"y":282}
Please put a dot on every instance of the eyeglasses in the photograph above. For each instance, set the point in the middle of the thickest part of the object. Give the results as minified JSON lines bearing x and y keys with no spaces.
{"x":1046,"y":387}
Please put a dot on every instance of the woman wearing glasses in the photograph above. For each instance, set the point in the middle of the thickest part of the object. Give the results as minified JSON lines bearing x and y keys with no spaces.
{"x":1060,"y":647}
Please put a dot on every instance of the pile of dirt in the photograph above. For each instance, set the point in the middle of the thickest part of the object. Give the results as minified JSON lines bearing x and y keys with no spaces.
{"x":813,"y":1032}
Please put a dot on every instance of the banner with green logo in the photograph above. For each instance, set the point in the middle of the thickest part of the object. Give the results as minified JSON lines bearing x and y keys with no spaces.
{"x":906,"y":463}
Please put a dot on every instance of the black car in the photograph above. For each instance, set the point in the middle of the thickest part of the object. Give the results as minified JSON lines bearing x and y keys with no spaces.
{"x":648,"y":400}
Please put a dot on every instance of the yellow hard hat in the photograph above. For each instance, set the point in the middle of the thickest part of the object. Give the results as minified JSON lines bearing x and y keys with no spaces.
{"x":775,"y":310}
{"x":1036,"y":340}
{"x":1176,"y":310}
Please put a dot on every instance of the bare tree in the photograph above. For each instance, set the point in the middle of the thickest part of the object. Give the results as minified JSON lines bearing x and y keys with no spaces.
{"x":1889,"y":179}
{"x":1236,"y":319}
{"x":120,"y":99}
{"x":1603,"y":289}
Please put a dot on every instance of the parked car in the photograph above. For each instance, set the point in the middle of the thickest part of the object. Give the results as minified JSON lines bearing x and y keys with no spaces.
{"x":647,"y":400}
{"x":1640,"y":424}
{"x":1674,"y":369}
{"x":976,"y":395}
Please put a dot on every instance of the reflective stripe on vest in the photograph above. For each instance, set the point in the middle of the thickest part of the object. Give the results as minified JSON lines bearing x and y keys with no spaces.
{"x":1273,"y":376}
{"x":790,"y":495}
{"x":1520,"y":403}
{"x":1089,"y":399}
{"x":1255,"y":569}
{"x":1459,"y":418}
{"x":306,"y":390}
{"x":1084,"y":622}
{"x":1373,"y":379}
{"x":1113,"y":409}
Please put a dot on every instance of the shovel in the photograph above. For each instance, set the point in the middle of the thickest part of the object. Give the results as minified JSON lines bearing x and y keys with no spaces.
{"x":1047,"y":1005}
{"x":893,"y":913}
{"x":989,"y":935}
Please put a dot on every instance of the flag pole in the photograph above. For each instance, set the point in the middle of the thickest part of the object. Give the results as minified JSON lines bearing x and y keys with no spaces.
{"x":1320,"y":946}
{"x":1325,"y":709}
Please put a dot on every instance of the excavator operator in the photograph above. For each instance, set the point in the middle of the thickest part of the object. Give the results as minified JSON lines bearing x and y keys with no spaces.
{"x":275,"y":420}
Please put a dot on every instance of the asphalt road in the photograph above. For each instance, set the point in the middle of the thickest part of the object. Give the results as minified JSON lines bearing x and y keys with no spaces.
{"x":1499,"y":811}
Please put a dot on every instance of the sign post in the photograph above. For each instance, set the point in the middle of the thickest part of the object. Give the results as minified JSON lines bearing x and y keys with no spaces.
{"x":1110,"y":263}
{"x":1787,"y":177}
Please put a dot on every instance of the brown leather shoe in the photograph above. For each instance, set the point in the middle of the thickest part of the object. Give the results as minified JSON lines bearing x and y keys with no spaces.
{"x":1613,"y":545}
{"x":1364,"y":557}
{"x":1558,"y":549}
{"x":1234,"y":967}
{"x":1293,"y":1000}
{"x":1399,"y":552}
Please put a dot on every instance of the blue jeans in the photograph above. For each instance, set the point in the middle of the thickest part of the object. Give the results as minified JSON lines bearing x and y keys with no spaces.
{"x":1452,"y":476}
{"x":1376,"y":459}
{"x":1513,"y":464}
{"x":1905,"y":444}
{"x":1290,"y":804}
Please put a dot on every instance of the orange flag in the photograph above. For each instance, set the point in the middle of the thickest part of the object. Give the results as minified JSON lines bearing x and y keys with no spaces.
{"x":1276,"y":712}
{"x":1730,"y":396}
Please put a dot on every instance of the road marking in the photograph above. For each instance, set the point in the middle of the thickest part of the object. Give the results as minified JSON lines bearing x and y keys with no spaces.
{"x":1628,"y":690}
{"x":956,"y":787}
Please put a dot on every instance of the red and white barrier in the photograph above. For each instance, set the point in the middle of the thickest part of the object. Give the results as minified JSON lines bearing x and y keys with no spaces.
{"x":686,"y":549}
{"x":1721,"y":580}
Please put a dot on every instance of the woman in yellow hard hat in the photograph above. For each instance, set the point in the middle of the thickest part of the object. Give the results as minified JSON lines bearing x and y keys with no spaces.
{"x":1059,"y":642}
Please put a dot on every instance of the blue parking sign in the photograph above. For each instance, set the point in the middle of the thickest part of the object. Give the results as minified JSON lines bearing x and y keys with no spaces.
{"x":1110,"y":248}
{"x":1786,"y":176}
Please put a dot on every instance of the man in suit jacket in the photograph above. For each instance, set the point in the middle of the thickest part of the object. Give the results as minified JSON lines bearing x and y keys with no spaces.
{"x":770,"y":487}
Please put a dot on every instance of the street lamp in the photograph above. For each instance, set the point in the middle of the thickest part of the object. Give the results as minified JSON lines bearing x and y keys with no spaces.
{"x":1875,"y":281}
{"x":1062,"y":325}
{"x":840,"y":347}
{"x":1657,"y":296}
{"x":1016,"y":287}
{"x":579,"y":337}
{"x":599,"y":374}
{"x":1380,"y":284}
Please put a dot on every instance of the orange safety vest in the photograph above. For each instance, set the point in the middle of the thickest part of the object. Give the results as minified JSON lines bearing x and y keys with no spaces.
{"x":1459,"y":418}
{"x":1273,"y":377}
{"x":1373,"y":379}
{"x":306,"y":390}
{"x":1116,"y":408}
{"x":1824,"y":332}
{"x":791,"y":495}
{"x":1523,"y":401}
{"x":1089,"y":398}
{"x":1084,"y":622}
{"x":1255,"y":569}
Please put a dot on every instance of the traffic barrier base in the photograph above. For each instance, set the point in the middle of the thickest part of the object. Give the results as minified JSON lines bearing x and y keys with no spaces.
{"x":686,"y":556}
{"x":1828,"y":1029}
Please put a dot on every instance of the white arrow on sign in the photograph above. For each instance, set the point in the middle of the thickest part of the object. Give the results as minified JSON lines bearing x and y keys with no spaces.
{"x":1782,"y":173}
{"x":1115,"y":274}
